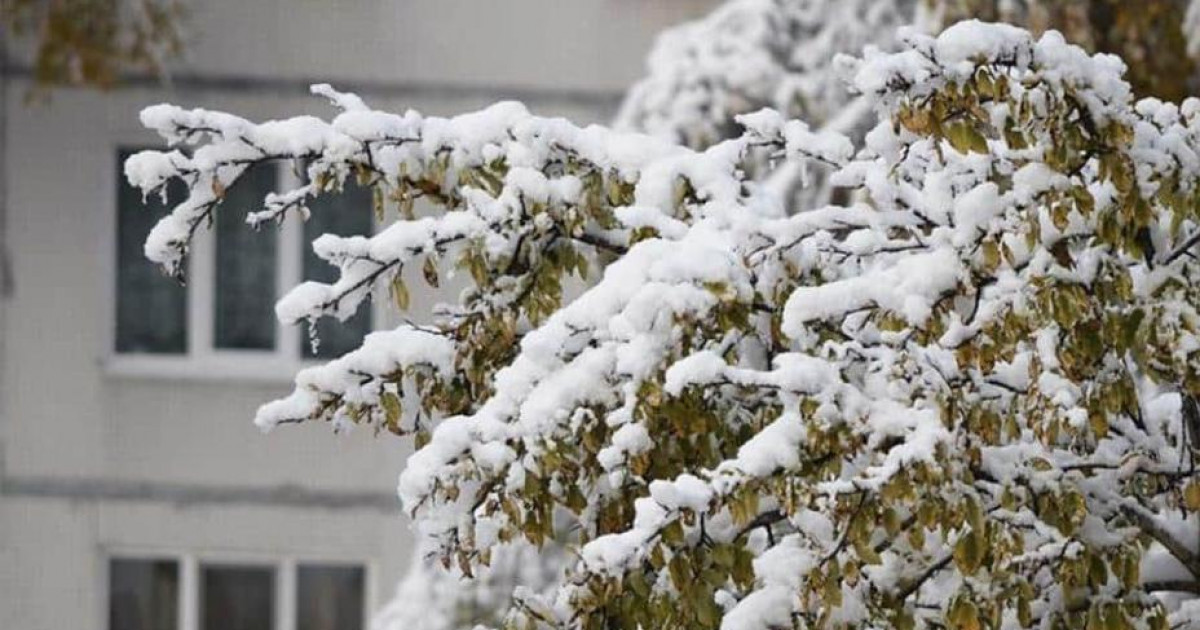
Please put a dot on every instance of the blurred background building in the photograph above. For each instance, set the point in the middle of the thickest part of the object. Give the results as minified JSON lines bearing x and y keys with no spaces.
{"x":135,"y":494}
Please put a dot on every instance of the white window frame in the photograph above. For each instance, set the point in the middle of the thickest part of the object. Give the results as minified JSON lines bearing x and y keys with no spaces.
{"x":283,"y":566}
{"x":202,"y":360}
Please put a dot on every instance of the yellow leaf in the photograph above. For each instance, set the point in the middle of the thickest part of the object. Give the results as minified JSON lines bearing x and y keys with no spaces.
{"x":969,"y":552}
{"x":430,"y":271}
{"x":1191,"y":496}
{"x":991,"y":255}
{"x":400,"y":292}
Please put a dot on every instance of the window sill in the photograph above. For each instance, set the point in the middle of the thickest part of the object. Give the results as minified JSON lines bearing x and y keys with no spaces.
{"x":248,"y":368}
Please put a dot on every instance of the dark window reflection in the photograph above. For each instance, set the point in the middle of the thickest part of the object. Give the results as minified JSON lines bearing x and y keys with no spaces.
{"x":151,"y":307}
{"x":246,"y":263}
{"x":143,"y":595}
{"x":330,"y":597}
{"x":345,"y":214}
{"x":237,"y":598}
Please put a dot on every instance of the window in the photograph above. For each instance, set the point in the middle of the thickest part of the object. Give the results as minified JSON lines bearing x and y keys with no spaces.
{"x":143,"y":595}
{"x":344,"y":214}
{"x":143,"y":289}
{"x":245,"y":267}
{"x":329,"y":597}
{"x":235,"y":274}
{"x":190,"y":593}
{"x":237,"y":598}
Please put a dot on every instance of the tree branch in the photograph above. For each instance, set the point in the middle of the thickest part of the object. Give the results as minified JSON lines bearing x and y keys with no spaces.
{"x":1173,"y":586}
{"x":1182,"y":248}
{"x":1147,"y":524}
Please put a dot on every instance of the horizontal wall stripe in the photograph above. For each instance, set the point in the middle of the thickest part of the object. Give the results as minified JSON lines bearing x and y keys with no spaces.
{"x":184,"y":495}
{"x":603,"y":100}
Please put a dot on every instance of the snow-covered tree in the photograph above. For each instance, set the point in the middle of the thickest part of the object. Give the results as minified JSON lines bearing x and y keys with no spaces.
{"x":432,"y":596}
{"x":750,"y":54}
{"x":965,"y":398}
{"x":1153,"y":37}
{"x":93,"y":42}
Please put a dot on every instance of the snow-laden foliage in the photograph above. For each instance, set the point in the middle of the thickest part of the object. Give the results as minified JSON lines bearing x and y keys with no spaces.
{"x":1153,"y":37}
{"x":434,"y":597}
{"x":93,"y":42}
{"x":751,"y":54}
{"x":966,"y":399}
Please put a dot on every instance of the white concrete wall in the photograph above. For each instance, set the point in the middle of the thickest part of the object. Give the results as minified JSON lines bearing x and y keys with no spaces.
{"x":67,"y":417}
{"x":560,"y":44}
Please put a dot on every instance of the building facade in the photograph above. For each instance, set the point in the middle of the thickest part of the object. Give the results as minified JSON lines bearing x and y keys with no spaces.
{"x":134,"y":491}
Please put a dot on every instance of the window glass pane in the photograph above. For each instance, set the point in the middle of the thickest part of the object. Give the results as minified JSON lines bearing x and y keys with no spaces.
{"x":329,"y":597}
{"x":237,"y":598}
{"x":345,"y":214}
{"x":151,"y":307}
{"x":143,"y":594}
{"x":245,"y":278}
